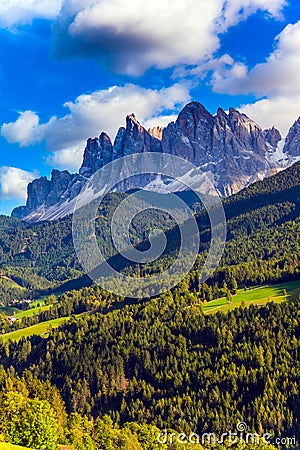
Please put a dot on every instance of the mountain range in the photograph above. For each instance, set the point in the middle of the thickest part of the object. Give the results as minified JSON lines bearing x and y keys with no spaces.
{"x":230,"y":148}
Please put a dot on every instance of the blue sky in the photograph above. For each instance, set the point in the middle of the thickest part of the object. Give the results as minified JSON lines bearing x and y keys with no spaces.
{"x":71,"y":69}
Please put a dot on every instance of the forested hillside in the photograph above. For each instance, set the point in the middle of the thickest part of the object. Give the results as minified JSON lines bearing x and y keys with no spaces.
{"x":33,"y":416}
{"x":263,"y":231}
{"x":165,"y":363}
{"x":162,"y":362}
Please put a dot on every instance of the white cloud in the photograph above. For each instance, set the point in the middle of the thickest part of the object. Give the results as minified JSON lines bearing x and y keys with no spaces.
{"x":26,"y":130}
{"x":14,"y":181}
{"x":149,"y":20}
{"x":14,"y":12}
{"x":161,"y":121}
{"x":228,"y":76}
{"x":279,"y":111}
{"x":103,"y":110}
{"x":135,"y":35}
{"x":67,"y":158}
{"x":277,"y":79}
{"x":278,"y":75}
{"x":234,"y":11}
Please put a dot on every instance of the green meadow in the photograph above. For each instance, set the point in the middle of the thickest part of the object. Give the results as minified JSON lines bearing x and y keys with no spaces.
{"x":40,"y":329}
{"x":35,"y":308}
{"x":31,"y":312}
{"x":258,"y":296}
{"x":7,"y":446}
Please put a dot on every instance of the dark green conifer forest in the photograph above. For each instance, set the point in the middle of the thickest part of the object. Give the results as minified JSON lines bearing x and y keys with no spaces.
{"x":119,"y":371}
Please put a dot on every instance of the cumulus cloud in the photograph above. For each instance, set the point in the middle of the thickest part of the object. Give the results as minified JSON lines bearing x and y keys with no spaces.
{"x":132,"y":36}
{"x":14,"y":181}
{"x":102,"y":110}
{"x":279,"y":111}
{"x":279,"y":74}
{"x":26,"y":130}
{"x":276,"y":79}
{"x":135,"y":35}
{"x":161,"y":121}
{"x":234,"y":11}
{"x":67,"y":158}
{"x":15,"y":12}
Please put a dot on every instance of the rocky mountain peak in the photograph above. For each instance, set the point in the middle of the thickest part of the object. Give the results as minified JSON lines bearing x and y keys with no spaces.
{"x":222,"y":119}
{"x":292,"y":143}
{"x":230,"y":148}
{"x":136,"y":139}
{"x":221,"y":113}
{"x":191,"y":115}
{"x":272,"y":136}
{"x":98,"y":152}
{"x":37,"y":191}
{"x":156,"y":132}
{"x":132,"y":123}
{"x":59,"y":183}
{"x":240,"y":119}
{"x":247,"y":131}
{"x":132,"y":117}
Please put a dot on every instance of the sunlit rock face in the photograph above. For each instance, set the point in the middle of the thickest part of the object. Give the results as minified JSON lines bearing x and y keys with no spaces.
{"x":230,"y":148}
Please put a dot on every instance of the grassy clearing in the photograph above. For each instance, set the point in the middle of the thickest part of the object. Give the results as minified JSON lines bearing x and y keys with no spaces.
{"x":31,"y":312}
{"x":40,"y":329}
{"x":258,"y":296}
{"x":35,"y":308}
{"x":7,"y":446}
